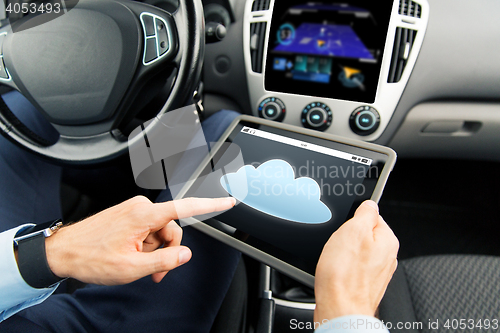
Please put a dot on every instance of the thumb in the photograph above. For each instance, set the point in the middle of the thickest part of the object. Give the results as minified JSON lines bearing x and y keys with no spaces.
{"x":367,"y":214}
{"x":163,"y":260}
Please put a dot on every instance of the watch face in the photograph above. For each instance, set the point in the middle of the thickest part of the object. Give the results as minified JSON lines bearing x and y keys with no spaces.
{"x":47,"y":229}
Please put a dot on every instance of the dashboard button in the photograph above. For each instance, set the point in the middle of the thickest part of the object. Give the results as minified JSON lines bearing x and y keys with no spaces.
{"x":272,"y":108}
{"x":271,"y":111}
{"x":317,"y":116}
{"x":365,"y":120}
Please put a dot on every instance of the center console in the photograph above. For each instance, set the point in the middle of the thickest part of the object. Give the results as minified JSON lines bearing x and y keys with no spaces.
{"x":340,"y":68}
{"x":334,"y":67}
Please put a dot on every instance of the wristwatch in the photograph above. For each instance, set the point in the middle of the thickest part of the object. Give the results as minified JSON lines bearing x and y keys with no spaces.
{"x":31,"y":256}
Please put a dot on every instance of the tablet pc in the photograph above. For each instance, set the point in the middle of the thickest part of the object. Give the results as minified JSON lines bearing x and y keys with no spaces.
{"x":294,"y":188}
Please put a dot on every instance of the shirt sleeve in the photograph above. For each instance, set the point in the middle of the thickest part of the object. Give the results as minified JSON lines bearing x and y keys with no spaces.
{"x":353,"y":324}
{"x":15,"y":293}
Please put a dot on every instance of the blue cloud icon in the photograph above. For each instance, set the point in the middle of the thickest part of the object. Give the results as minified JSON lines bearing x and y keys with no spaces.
{"x":272,"y":189}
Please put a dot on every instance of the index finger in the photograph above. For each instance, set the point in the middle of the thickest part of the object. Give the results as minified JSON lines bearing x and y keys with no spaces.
{"x":184,"y":208}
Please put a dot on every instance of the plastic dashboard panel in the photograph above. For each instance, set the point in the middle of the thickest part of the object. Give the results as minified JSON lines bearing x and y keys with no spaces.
{"x":388,"y":94}
{"x":458,"y":63}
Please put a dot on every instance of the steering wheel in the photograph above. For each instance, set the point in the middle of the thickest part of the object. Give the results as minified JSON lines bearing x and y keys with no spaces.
{"x":86,"y":68}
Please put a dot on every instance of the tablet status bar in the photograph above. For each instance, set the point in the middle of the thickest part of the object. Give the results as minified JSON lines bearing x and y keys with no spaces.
{"x":307,"y":146}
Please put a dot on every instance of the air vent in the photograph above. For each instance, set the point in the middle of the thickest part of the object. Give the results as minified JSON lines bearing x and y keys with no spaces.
{"x":403,"y":43}
{"x":409,"y":8}
{"x":257,"y":38}
{"x":260,"y":5}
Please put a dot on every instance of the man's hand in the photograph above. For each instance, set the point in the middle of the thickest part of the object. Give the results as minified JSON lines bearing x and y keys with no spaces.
{"x":355,"y":266}
{"x":122,"y":244}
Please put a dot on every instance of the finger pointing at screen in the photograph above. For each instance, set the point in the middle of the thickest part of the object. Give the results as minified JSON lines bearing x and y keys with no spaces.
{"x":122,"y":244}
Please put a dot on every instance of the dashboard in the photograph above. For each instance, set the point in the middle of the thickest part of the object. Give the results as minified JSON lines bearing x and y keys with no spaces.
{"x":435,"y":96}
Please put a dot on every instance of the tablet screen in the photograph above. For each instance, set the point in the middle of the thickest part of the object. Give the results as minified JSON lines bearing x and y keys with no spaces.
{"x":293,"y":190}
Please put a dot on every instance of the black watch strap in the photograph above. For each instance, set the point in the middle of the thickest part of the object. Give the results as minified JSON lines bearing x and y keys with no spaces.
{"x":32,"y":262}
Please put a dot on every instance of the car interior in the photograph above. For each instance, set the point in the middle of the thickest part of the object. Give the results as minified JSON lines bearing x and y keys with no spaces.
{"x":418,"y":76}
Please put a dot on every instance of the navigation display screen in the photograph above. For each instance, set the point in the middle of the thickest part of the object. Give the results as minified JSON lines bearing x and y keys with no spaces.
{"x":326,"y":49}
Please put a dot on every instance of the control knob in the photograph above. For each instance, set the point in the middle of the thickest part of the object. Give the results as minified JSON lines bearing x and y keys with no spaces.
{"x":364,"y":121}
{"x":272,"y":108}
{"x":317,"y":116}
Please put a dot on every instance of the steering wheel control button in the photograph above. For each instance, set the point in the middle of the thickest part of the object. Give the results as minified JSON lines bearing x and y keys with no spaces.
{"x":162,"y":37}
{"x":4,"y":74}
{"x":2,"y":38}
{"x":364,"y":121}
{"x":150,"y":53}
{"x":3,"y":70}
{"x":149,"y":25}
{"x":157,"y":36}
{"x":317,"y":116}
{"x":272,"y":108}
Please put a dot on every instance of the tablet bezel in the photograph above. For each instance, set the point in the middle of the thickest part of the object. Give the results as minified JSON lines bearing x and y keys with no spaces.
{"x":278,"y":264}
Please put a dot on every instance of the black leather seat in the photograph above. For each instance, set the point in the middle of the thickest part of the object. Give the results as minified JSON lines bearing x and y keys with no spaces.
{"x":443,"y":288}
